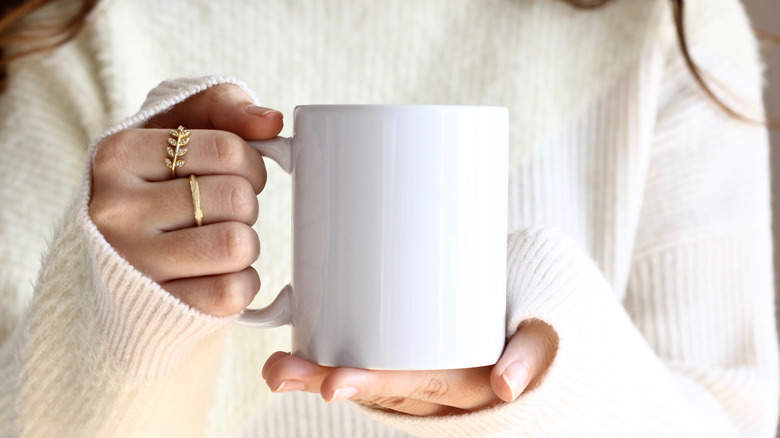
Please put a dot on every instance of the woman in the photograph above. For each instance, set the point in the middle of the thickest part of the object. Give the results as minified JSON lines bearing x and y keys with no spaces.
{"x":639,"y":287}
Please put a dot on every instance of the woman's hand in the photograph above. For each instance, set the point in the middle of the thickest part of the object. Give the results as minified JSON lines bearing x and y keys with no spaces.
{"x":525,"y":359}
{"x":147,"y":215}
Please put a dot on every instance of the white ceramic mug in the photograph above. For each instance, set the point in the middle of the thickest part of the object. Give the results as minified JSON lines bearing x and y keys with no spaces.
{"x":399,"y":236}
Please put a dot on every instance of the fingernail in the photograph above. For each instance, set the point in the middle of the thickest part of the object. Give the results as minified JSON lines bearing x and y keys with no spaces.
{"x":515,"y":376}
{"x":290,"y":386}
{"x":343,"y":394}
{"x":259,"y":110}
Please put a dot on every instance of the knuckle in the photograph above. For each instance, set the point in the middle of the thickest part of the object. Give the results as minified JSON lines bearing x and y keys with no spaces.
{"x":104,"y":213}
{"x":241,"y":198}
{"x":230,"y":293}
{"x":550,"y":340}
{"x":109,"y":210}
{"x":111,"y":152}
{"x":220,"y":95}
{"x":240,"y":242}
{"x":228,"y":154}
{"x":219,"y":92}
{"x":545,"y":344}
{"x":394,"y":403}
{"x":435,"y":385}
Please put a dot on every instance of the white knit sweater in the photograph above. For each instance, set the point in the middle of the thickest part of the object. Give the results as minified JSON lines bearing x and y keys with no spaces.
{"x":639,"y":215}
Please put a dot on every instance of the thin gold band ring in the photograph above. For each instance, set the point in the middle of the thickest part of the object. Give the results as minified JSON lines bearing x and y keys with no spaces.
{"x":195,"y":189}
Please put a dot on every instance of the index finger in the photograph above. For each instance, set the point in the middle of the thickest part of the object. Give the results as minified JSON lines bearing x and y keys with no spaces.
{"x":468,"y":388}
{"x":225,"y":107}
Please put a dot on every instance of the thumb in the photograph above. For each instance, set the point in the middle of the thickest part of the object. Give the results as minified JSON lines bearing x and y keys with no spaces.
{"x":526,"y":358}
{"x":225,"y":107}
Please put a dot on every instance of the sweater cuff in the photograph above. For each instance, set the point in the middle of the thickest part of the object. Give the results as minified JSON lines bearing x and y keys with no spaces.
{"x":148,"y":331}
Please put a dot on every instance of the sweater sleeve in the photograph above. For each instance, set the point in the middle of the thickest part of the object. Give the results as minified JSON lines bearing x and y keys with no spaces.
{"x":101,"y":350}
{"x":692,"y":348}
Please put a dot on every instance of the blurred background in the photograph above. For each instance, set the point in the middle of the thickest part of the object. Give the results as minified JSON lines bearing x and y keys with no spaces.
{"x":766,"y":17}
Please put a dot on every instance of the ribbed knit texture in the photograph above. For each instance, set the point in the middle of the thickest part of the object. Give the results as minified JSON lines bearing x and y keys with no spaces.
{"x":639,"y":215}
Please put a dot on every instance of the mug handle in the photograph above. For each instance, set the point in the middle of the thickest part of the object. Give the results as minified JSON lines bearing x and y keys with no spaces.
{"x":277,"y":313}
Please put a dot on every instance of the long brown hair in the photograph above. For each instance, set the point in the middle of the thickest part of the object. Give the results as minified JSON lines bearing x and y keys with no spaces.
{"x":48,"y":37}
{"x":679,"y":24}
{"x":40,"y":37}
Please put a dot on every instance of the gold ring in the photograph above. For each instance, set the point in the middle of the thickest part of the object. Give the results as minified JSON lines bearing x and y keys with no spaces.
{"x":195,"y":189}
{"x":176,"y":150}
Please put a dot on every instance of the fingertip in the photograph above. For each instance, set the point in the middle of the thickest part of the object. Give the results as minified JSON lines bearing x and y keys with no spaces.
{"x":343,"y":393}
{"x":225,"y":107}
{"x":260,"y":111}
{"x":289,"y":386}
{"x":230,"y":108}
{"x":511,"y":382}
{"x":342,"y":383}
{"x":282,"y":367}
{"x":263,"y":123}
{"x":272,"y":360}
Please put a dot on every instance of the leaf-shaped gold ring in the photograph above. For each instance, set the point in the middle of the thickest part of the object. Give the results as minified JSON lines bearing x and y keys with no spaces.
{"x":176,"y":150}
